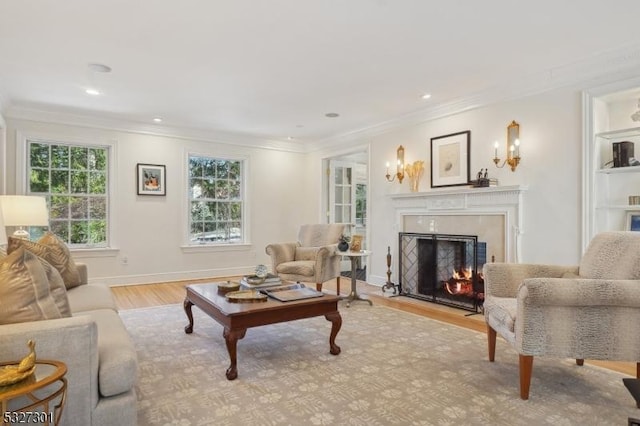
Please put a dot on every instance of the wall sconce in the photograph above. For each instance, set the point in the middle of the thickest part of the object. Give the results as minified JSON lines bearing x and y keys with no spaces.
{"x":513,"y":147}
{"x":399,"y":167}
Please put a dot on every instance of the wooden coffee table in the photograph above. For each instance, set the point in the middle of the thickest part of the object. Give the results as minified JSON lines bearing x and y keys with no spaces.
{"x":237,"y":317}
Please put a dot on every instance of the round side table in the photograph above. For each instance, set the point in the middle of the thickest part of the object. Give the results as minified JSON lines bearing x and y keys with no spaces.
{"x":41,"y":406}
{"x":354,"y":256}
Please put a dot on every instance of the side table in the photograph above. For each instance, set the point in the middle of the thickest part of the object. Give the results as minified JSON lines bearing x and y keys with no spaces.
{"x":43,"y":406}
{"x":354,"y":256}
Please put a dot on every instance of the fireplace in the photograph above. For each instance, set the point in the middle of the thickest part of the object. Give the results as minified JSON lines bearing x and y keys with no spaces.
{"x":442,"y":268}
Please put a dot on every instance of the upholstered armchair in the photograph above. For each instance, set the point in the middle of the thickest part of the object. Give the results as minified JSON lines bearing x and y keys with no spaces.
{"x":312,"y":258}
{"x":589,"y":311}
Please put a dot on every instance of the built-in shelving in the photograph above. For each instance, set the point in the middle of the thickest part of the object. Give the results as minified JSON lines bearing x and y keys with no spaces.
{"x":613,"y":186}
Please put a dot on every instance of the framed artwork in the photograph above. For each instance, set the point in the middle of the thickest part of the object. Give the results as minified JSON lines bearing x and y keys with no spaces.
{"x":450,"y":160}
{"x":151,"y":179}
{"x":633,"y":221}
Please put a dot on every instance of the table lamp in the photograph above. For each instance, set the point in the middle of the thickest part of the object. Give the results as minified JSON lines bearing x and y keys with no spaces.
{"x":24,"y":210}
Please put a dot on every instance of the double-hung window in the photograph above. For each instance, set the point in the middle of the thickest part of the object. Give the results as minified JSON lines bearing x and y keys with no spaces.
{"x":216,"y":200}
{"x":75,"y":181}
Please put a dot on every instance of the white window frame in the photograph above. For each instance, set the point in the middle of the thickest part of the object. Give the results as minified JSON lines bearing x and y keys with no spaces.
{"x":22,"y":138}
{"x":190,"y":247}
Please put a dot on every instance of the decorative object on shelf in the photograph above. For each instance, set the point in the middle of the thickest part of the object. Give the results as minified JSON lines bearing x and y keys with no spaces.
{"x":450,"y":159}
{"x":151,"y":179}
{"x":343,"y":244}
{"x":483,"y":180}
{"x":622,"y":153}
{"x":415,"y":171}
{"x":224,"y":288}
{"x":633,"y":221}
{"x":24,"y":210}
{"x":356,"y":242}
{"x":389,"y":283}
{"x":399,"y":166}
{"x":246,"y":296}
{"x":513,"y":147}
{"x":634,"y":200}
{"x":15,"y":373}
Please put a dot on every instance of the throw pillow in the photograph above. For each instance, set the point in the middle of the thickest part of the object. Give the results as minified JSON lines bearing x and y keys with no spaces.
{"x":57,"y":288}
{"x":53,"y":250}
{"x":24,"y":289}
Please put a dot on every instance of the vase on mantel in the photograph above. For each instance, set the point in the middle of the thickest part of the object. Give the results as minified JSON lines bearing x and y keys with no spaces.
{"x":415,"y":184}
{"x":414,"y":171}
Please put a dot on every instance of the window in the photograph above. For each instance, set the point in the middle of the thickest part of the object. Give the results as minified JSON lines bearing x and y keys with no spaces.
{"x":216,"y":200}
{"x":361,"y":204}
{"x":74,"y":179}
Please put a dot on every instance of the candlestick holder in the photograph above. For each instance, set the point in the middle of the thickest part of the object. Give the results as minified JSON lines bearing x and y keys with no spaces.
{"x":389,"y":284}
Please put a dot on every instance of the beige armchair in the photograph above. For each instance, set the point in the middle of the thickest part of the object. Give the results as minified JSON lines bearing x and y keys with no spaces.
{"x":312,"y":258}
{"x":590,"y":311}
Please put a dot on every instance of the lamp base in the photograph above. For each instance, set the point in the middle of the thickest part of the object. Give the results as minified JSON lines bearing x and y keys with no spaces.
{"x":21,"y":233}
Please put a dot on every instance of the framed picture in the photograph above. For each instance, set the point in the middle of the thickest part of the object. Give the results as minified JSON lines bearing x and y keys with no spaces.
{"x":151,"y":179}
{"x":450,"y":160}
{"x":633,"y":221}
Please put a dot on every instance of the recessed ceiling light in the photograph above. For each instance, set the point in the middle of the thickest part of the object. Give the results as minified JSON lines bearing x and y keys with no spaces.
{"x":289,"y":138}
{"x":99,"y":68}
{"x":426,"y":96}
{"x":157,"y":120}
{"x":92,"y":92}
{"x":332,"y":114}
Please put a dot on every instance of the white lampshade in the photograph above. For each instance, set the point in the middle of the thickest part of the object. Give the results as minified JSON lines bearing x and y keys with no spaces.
{"x":24,"y":210}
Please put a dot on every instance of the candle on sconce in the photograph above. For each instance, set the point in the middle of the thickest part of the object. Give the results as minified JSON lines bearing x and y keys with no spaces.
{"x":495,"y":146}
{"x":517,"y":150}
{"x":387,"y":167}
{"x":512,"y":148}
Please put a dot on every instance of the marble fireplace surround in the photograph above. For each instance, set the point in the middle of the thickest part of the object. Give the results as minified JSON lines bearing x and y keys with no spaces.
{"x":494,"y":214}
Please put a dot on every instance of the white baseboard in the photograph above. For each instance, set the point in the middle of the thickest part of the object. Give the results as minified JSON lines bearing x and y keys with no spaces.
{"x":124,"y":280}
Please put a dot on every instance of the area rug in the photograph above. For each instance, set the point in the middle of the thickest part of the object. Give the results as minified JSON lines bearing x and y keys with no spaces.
{"x":395,"y":368}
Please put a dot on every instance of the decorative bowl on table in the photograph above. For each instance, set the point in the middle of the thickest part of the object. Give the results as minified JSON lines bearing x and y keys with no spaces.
{"x":246,"y":296}
{"x":226,"y":287}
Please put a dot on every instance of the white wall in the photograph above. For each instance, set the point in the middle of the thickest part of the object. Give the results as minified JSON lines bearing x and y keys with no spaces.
{"x":149,"y":231}
{"x":550,"y":131}
{"x":285,"y":188}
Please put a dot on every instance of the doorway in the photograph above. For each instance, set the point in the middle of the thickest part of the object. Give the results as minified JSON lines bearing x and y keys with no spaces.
{"x":346,"y":200}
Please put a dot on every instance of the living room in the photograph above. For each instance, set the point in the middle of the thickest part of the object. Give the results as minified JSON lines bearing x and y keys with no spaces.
{"x":559,"y":104}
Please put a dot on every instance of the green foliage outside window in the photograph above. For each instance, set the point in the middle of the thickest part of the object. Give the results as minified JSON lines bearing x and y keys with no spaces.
{"x":216,"y":199}
{"x":74,"y":180}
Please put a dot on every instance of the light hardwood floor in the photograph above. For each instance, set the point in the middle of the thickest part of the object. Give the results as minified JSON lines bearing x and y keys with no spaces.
{"x":148,"y":295}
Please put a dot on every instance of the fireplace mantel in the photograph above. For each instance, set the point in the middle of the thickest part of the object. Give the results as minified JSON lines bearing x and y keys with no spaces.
{"x":506,"y":201}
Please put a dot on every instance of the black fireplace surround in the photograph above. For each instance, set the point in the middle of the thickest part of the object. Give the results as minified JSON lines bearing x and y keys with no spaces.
{"x":442,"y":268}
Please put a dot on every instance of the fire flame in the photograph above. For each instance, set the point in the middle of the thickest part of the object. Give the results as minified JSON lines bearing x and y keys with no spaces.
{"x":465,"y":274}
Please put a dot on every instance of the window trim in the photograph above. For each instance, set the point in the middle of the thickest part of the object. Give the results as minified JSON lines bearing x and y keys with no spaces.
{"x":187,"y":246}
{"x":53,"y":137}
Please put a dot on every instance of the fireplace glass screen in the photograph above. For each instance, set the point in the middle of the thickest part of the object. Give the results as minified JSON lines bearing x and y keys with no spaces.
{"x":442,"y":268}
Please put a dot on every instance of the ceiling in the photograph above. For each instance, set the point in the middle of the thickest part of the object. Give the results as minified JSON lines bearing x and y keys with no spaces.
{"x":273,"y":69}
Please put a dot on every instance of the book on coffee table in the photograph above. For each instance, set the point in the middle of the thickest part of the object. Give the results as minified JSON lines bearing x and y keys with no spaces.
{"x":287,"y":293}
{"x":253,"y":282}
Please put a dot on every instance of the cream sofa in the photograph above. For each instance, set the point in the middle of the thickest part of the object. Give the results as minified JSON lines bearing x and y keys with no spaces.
{"x":97,"y":349}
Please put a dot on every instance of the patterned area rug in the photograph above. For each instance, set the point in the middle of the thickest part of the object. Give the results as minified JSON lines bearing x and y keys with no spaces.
{"x":395,"y":368}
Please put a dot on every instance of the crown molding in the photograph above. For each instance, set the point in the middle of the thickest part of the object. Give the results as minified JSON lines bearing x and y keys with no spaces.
{"x":107,"y":123}
{"x":603,"y":68}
